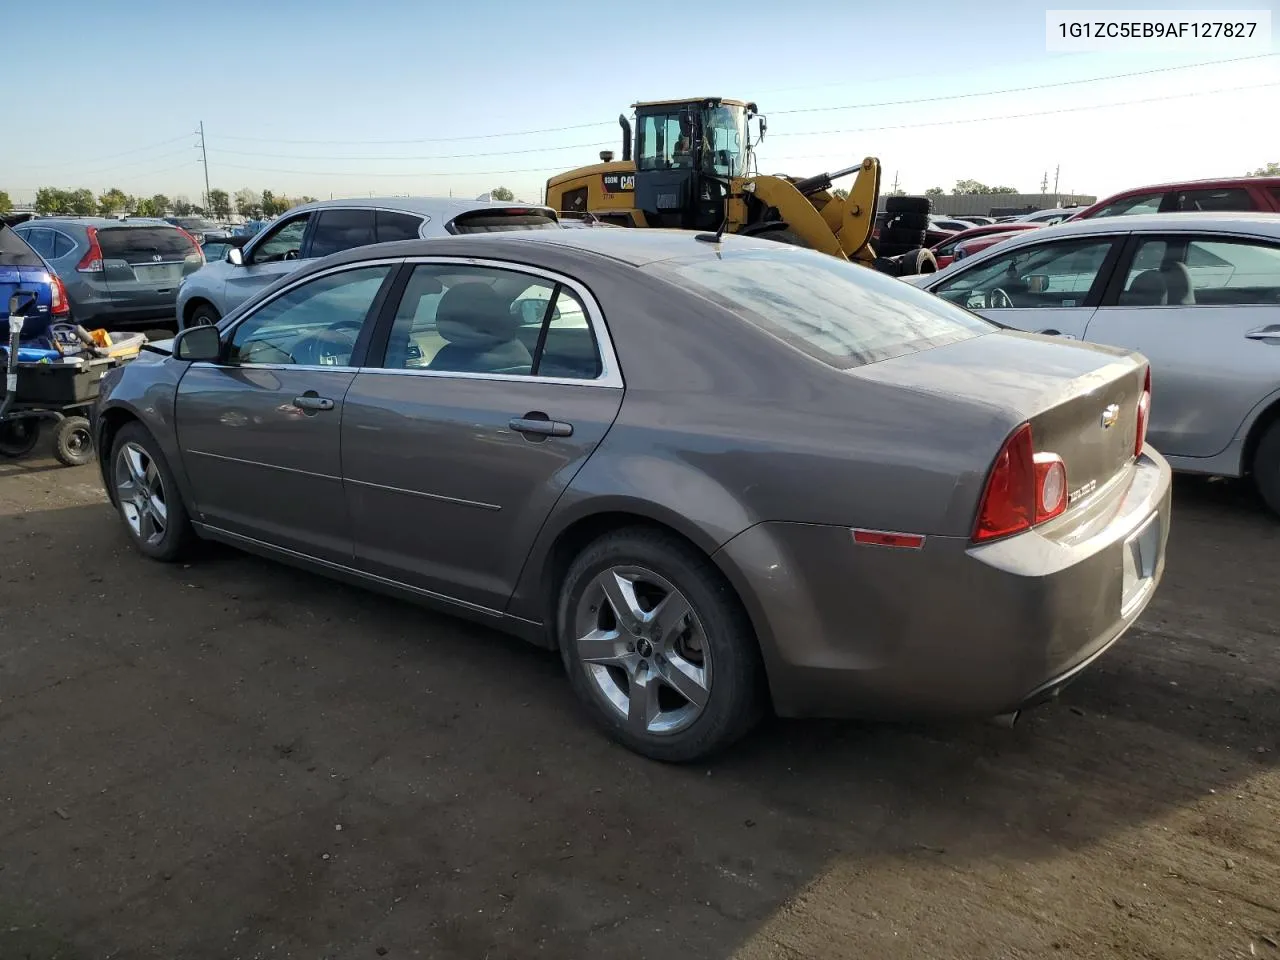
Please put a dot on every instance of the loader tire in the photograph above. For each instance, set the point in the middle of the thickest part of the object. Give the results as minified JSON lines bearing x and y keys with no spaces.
{"x":783,"y":236}
{"x":909,"y":221}
{"x":919,"y":260}
{"x":892,"y":249}
{"x":908,"y":205}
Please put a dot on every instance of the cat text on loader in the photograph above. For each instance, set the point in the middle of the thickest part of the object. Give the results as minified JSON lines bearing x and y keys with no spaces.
{"x":693,"y":169}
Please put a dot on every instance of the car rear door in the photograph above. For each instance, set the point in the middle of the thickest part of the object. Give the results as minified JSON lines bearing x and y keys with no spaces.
{"x":260,"y":430}
{"x":1216,"y":352}
{"x":143,"y":266}
{"x":486,"y":391}
{"x":1050,"y":287}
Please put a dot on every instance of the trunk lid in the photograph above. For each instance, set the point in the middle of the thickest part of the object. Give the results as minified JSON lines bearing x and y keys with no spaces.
{"x":1081,"y":400}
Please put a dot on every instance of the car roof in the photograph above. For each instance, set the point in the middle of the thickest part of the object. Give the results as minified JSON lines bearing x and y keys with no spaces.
{"x":444,"y":208}
{"x":1253,"y":223}
{"x":101,"y":222}
{"x":1207,"y":182}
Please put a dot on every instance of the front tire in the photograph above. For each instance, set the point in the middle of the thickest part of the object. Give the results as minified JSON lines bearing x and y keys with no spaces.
{"x":204,"y":315}
{"x":1266,"y":468}
{"x":146,"y":495}
{"x":73,"y":442}
{"x":18,"y":436}
{"x":657,"y":646}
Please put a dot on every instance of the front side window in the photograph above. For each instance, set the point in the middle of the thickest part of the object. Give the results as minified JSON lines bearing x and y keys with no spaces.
{"x":838,"y":312}
{"x":283,"y":243}
{"x":314,"y":324}
{"x":338,"y":230}
{"x":1129,"y":206}
{"x":1057,"y":274}
{"x":471,"y":319}
{"x":724,"y":133}
{"x":665,"y":140}
{"x":1183,"y":271}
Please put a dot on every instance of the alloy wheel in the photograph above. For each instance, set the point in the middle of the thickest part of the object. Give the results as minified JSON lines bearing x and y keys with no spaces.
{"x":644,"y":650}
{"x":141,"y":494}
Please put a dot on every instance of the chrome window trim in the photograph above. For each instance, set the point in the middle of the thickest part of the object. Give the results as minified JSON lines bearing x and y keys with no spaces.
{"x":610,"y":371}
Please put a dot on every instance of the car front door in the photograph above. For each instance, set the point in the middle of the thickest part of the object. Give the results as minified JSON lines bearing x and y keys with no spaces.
{"x":260,"y":430}
{"x":494,"y":387}
{"x":267,"y":259}
{"x":1205,"y":310}
{"x":1051,"y":287}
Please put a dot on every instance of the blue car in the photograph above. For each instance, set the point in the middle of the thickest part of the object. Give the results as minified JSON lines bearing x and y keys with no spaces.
{"x":22,"y":270}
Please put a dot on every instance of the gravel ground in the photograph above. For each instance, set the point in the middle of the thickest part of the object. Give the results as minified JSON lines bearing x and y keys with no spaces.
{"x":236,"y":760}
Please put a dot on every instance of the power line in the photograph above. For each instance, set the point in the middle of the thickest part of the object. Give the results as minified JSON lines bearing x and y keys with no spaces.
{"x":125,"y":153}
{"x":448,"y":156}
{"x":133,"y":163}
{"x":407,"y":173}
{"x":478,"y":136}
{"x":1038,"y":86}
{"x":1035,"y":113}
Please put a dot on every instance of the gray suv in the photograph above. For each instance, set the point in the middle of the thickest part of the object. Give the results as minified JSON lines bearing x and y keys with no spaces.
{"x":117,"y":272}
{"x":316,"y":230}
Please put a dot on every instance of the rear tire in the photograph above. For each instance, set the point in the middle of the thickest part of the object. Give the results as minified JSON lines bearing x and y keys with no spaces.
{"x":19,"y":436}
{"x":899,"y":236}
{"x":910,"y":221}
{"x":205,"y":315}
{"x":920,"y":260}
{"x":147,"y":496}
{"x":619,"y":665}
{"x":782,"y":236}
{"x":1266,"y":468}
{"x":908,"y":205}
{"x":73,"y":442}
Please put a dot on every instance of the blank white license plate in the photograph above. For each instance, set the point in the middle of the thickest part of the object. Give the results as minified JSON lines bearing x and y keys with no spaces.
{"x":1141,"y":556}
{"x":157,"y":272}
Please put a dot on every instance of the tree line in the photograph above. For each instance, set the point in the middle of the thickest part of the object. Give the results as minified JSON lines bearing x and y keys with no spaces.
{"x":252,"y":204}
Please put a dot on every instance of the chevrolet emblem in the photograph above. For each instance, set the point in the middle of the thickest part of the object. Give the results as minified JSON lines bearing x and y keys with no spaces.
{"x":1110,"y":416}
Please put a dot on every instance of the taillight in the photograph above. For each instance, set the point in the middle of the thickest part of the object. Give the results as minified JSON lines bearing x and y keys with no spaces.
{"x":1023,"y":489}
{"x":61,"y":302}
{"x":1144,"y":414}
{"x":92,"y":261}
{"x":195,"y":244}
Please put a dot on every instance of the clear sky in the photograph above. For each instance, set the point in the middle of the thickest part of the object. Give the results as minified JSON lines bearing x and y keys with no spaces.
{"x":307,"y":96}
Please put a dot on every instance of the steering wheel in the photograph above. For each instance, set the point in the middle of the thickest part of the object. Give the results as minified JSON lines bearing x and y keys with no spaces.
{"x":289,"y":255}
{"x":333,"y":347}
{"x":997,"y":299}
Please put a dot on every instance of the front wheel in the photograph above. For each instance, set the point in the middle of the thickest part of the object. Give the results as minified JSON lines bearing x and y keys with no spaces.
{"x":73,"y":442}
{"x":1266,"y":467}
{"x":203,"y":316}
{"x":147,"y":496}
{"x":18,"y":436}
{"x":658,"y":647}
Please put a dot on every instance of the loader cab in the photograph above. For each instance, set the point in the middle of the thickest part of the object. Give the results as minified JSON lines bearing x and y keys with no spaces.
{"x":687,"y":154}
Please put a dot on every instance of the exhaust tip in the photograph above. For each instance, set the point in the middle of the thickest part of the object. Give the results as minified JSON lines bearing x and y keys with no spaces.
{"x":1006,"y":720}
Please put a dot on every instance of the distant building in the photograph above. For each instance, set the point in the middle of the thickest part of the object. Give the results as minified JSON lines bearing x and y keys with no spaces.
{"x":1002,"y":204}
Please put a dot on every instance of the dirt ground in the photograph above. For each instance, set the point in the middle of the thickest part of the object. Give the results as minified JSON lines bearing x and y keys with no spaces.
{"x":237,"y":760}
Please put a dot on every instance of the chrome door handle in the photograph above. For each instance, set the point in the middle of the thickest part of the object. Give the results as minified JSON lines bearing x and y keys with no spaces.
{"x":1269,"y":332}
{"x":540,"y":426}
{"x":313,"y":403}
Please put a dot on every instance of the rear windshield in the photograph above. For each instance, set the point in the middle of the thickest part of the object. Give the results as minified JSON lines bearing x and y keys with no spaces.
{"x":195,"y":223}
{"x":144,"y":244}
{"x":841,"y":313}
{"x":493,"y":221}
{"x":14,"y":251}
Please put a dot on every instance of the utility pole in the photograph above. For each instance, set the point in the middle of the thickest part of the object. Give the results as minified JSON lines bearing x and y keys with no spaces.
{"x":895,"y":181}
{"x":204,"y":159}
{"x":1044,"y":183}
{"x":1056,"y":170}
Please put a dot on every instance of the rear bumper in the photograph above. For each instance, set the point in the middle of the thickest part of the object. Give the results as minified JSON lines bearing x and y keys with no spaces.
{"x":951,"y":629}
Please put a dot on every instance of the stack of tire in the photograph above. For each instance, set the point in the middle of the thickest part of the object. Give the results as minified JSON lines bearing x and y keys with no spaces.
{"x":901,"y":248}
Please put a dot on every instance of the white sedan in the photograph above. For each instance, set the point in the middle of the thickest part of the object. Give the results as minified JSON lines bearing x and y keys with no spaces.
{"x":1198,"y":294}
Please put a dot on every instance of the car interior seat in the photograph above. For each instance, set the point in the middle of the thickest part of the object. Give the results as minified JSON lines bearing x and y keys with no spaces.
{"x":1147,"y":290}
{"x":1177,"y":280}
{"x":479,"y":330}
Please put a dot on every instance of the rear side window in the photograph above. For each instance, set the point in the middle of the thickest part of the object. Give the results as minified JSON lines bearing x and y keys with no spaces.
{"x":40,"y":240}
{"x":1136,"y":204}
{"x":338,"y":230}
{"x":145,"y":244}
{"x":841,"y":313}
{"x":397,"y":226}
{"x":494,"y":221}
{"x":1275,"y":196}
{"x":1232,"y":198}
{"x":62,"y":244}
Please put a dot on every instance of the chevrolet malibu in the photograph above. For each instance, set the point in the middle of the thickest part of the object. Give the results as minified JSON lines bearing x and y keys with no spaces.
{"x":718,"y":477}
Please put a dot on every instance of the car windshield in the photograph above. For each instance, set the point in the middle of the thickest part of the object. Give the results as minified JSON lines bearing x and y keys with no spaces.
{"x":841,"y":313}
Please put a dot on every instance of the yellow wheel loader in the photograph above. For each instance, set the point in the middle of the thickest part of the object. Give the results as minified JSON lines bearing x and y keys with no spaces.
{"x":694,"y":169}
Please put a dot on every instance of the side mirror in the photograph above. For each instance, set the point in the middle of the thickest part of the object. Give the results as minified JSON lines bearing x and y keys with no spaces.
{"x":196,"y":344}
{"x":1037,"y":283}
{"x":235,"y":257}
{"x":22,"y":302}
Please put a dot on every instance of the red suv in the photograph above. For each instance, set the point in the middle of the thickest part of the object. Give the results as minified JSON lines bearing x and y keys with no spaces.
{"x":1231,"y":194}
